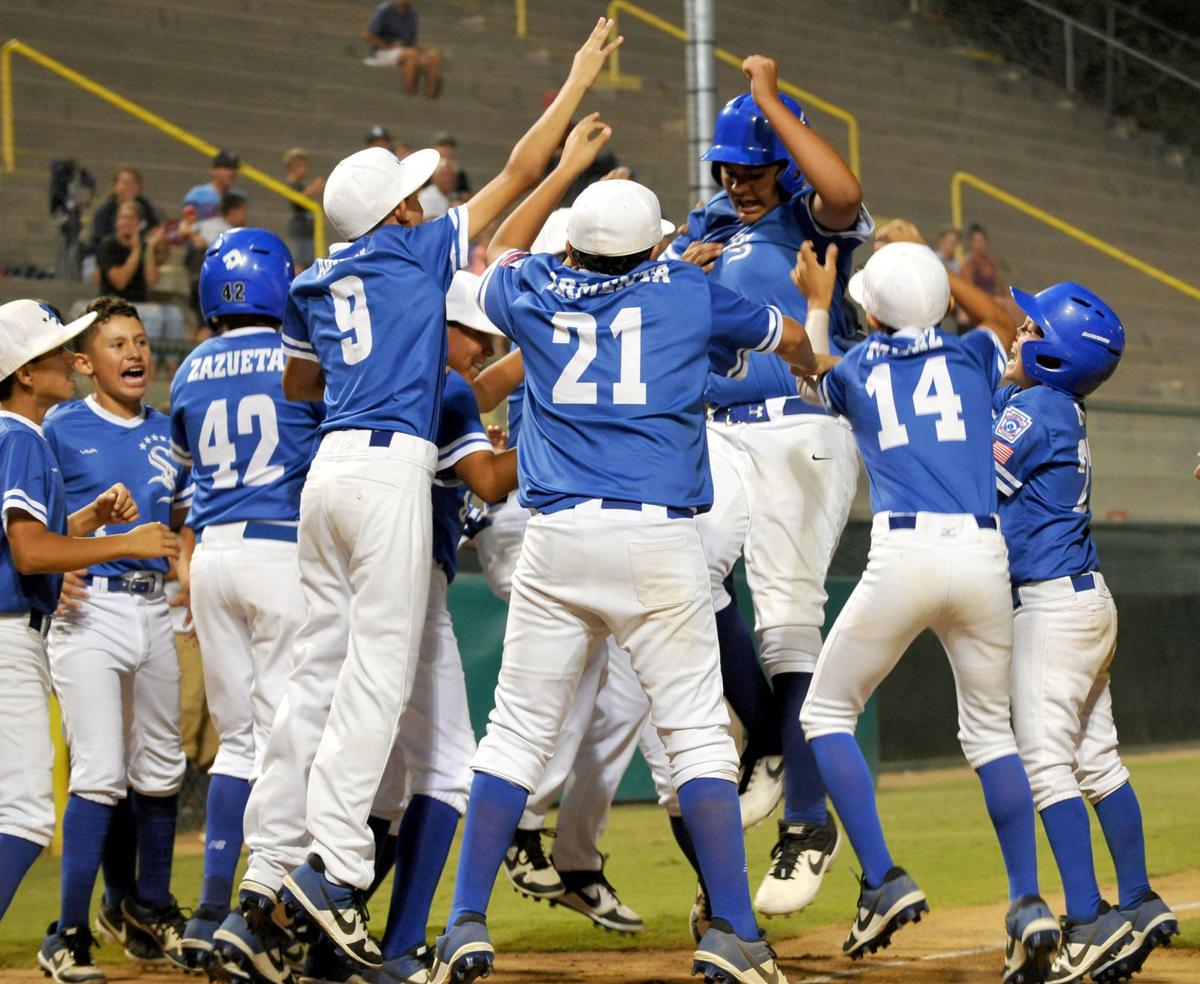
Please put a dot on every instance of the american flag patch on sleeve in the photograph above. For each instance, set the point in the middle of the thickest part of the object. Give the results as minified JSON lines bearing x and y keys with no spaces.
{"x":1001,"y":452}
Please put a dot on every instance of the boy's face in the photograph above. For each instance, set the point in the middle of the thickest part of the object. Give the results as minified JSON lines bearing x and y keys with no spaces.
{"x":1015,"y":373}
{"x":468,"y":350}
{"x":53,"y":375}
{"x":753,"y":191}
{"x":117,"y":357}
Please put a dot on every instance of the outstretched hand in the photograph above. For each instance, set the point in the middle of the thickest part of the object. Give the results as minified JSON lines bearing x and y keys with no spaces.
{"x":590,"y":58}
{"x":763,"y":74}
{"x":584,"y":143}
{"x":814,"y":280}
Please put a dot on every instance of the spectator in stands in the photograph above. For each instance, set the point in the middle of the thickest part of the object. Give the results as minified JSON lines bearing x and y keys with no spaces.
{"x":438,"y":196}
{"x":198,"y":234}
{"x":947,"y":248}
{"x":378,"y":136}
{"x":980,"y":267}
{"x":206,"y":198}
{"x":296,"y":162}
{"x":125,"y":263}
{"x":126,"y":187}
{"x":392,"y":32}
{"x":447,"y":146}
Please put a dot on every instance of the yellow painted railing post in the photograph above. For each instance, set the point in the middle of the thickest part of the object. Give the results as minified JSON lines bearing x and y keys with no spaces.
{"x":522,"y":24}
{"x":956,"y":206}
{"x":6,"y":124}
{"x":61,"y":774}
{"x":614,"y":60}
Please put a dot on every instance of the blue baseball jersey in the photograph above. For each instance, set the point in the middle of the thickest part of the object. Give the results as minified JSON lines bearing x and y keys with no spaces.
{"x":757,"y":263}
{"x":374,"y":316}
{"x":460,"y":433}
{"x":96,"y":449}
{"x":1044,"y":476}
{"x":516,"y":410}
{"x":615,"y":370}
{"x":920,"y":403}
{"x":248,"y":448}
{"x":31,"y":483}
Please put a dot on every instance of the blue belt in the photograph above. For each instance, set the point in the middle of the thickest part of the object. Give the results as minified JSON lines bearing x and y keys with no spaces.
{"x":270,"y":531}
{"x":571,"y":502}
{"x":131,"y":582}
{"x":381,"y":439}
{"x":756,"y":413}
{"x":1079,"y":582}
{"x":908,"y":521}
{"x":39,"y":622}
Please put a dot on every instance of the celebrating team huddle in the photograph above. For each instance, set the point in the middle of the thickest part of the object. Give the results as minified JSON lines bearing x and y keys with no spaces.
{"x":676,"y":401}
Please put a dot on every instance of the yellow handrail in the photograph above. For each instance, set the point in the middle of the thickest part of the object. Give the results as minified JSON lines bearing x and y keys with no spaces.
{"x":809,"y":98}
{"x":522,"y":21}
{"x":15,"y":47}
{"x":956,"y":210}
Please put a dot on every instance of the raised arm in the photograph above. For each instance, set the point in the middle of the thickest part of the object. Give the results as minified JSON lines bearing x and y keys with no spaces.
{"x":520,"y":229}
{"x":493,"y":386}
{"x":838,"y":195}
{"x":35,"y":550}
{"x":489,"y":475}
{"x":529,"y":158}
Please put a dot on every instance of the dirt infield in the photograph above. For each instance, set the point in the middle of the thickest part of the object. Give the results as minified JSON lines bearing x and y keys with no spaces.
{"x":950,"y":946}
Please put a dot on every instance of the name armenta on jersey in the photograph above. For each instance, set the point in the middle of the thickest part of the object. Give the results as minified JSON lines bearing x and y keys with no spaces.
{"x":572,"y":289}
{"x":236,"y":362}
{"x":927,"y":341}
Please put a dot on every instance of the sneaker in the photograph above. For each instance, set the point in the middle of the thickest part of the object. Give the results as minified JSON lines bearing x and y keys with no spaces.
{"x":198,"y":935}
{"x":1153,"y":924}
{"x":882,"y":911}
{"x":139,"y":947}
{"x":411,"y":967}
{"x":589,"y":892}
{"x":239,"y":953}
{"x":326,"y":964}
{"x":723,"y":958}
{"x":1032,"y":937}
{"x":1091,"y":947}
{"x":799,"y":861}
{"x":463,"y":953}
{"x":164,"y":924}
{"x":340,"y":911}
{"x":700,"y":918}
{"x":760,"y":789}
{"x":531,"y":872}
{"x":66,"y":956}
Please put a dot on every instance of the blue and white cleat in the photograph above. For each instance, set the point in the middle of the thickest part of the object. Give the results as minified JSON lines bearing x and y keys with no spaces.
{"x":198,"y":936}
{"x":240,"y":954}
{"x":463,"y":953}
{"x":411,"y":967}
{"x":339,"y":910}
{"x":725,"y":958}
{"x":1033,"y":937}
{"x":882,"y":911}
{"x":326,"y":964}
{"x":1091,"y":947}
{"x":1153,"y":924}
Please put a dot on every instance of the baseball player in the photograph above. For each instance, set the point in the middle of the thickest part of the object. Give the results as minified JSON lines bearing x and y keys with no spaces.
{"x":920,"y":404}
{"x":112,"y":653}
{"x":249,"y":450}
{"x":364,"y":330}
{"x":1065,"y":630}
{"x":616,"y":349}
{"x":38,"y":541}
{"x":784,"y":472}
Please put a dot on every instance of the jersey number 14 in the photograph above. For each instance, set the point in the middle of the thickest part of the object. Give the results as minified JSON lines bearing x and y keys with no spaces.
{"x":934,"y":395}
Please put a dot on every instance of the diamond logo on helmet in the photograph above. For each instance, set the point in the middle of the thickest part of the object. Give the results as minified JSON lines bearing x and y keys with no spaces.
{"x":234,"y":258}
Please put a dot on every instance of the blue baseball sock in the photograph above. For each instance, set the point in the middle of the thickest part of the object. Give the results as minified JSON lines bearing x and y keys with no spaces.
{"x":493,"y":811}
{"x":84,"y":827}
{"x":16,"y":856}
{"x":852,"y":789}
{"x":714,"y":820}
{"x":222,"y":839}
{"x":742,"y":678}
{"x":119,"y":863}
{"x":155,"y":818}
{"x":1010,"y":805}
{"x":422,"y":845}
{"x":385,"y":850}
{"x":1120,"y":818}
{"x":1070,"y":836}
{"x":804,"y":793}
{"x":684,"y":840}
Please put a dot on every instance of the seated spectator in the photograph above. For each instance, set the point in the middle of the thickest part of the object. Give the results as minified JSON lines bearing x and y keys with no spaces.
{"x":378,"y":136}
{"x":206,"y":198}
{"x":947,"y":248}
{"x":392,"y":33}
{"x":126,"y":187}
{"x":125,"y":264}
{"x":300,"y":223}
{"x":447,"y":146}
{"x":437,"y":197}
{"x":980,"y":267}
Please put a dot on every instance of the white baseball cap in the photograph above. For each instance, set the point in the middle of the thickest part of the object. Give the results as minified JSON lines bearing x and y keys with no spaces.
{"x":462,"y":307}
{"x":29,"y":329}
{"x":553,"y":235}
{"x":904,"y":285}
{"x":368,"y":184}
{"x":615,"y":218}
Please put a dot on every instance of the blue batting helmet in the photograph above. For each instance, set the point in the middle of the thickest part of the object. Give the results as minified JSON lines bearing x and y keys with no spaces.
{"x":245,"y":271}
{"x":742,"y":135}
{"x":1083,"y":338}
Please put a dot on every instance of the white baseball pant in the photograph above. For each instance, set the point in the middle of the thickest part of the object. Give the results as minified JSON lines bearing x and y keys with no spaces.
{"x":365,"y":543}
{"x":782,"y":491}
{"x":1064,"y":639}
{"x":432,"y":754}
{"x":26,"y":752}
{"x":587,"y":572}
{"x":116,"y":674}
{"x":950,"y":575}
{"x":498,"y":545}
{"x":247,"y":607}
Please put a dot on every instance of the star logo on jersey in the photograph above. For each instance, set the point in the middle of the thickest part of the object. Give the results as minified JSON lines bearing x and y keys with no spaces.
{"x":1012,"y":424}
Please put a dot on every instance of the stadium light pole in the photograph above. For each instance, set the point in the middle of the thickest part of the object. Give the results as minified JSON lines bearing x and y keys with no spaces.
{"x":701,"y":93}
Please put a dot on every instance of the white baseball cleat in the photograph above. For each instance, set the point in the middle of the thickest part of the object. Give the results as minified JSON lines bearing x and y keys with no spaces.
{"x":799,"y":861}
{"x":760,"y":790}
